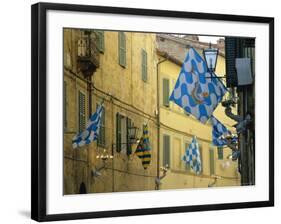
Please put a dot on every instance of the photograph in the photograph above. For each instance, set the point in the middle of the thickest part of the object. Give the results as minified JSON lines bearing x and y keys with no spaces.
{"x":154,"y":111}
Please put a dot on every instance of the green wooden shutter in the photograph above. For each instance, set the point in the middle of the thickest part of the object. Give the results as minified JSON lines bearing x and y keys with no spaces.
{"x":166,"y":92}
{"x":100,"y":40}
{"x":187,"y":166}
{"x":201,"y":156}
{"x":212,"y":162}
{"x":166,"y":150}
{"x":144,"y":65}
{"x":230,"y":55}
{"x":82,"y":111}
{"x":118,"y":133}
{"x":220,"y":153}
{"x":129,"y":146}
{"x":248,"y":50}
{"x":64,"y":105}
{"x":122,"y":48}
{"x":101,"y":137}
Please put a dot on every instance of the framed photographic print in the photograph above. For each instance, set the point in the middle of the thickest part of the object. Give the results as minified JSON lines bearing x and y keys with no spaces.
{"x":140,"y":111}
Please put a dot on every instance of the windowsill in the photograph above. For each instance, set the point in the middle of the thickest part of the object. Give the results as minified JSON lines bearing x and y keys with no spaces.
{"x":122,"y":66}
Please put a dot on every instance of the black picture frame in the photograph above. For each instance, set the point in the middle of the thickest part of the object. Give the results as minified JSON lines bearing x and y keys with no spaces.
{"x":39,"y":108}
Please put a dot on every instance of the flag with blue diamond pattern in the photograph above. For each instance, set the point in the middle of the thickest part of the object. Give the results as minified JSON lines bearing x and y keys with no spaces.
{"x":195,"y":91}
{"x":219,"y":132}
{"x":92,"y":129}
{"x":192,"y":156}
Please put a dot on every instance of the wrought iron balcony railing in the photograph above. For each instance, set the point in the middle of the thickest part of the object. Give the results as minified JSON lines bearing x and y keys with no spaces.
{"x":88,"y":54}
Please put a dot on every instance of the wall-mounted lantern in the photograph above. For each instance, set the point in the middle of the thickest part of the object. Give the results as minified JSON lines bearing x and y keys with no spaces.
{"x":211,"y":56}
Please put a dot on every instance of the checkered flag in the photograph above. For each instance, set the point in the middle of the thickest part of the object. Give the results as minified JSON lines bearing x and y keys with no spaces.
{"x":91,"y":132}
{"x":219,"y":132}
{"x":192,"y":156}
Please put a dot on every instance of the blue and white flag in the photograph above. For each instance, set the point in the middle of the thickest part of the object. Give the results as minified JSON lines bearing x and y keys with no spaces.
{"x":195,"y":93}
{"x":219,"y":132}
{"x":92,"y":130}
{"x":192,"y":156}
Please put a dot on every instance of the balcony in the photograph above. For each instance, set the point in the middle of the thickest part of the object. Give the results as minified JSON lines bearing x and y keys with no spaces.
{"x":88,"y":54}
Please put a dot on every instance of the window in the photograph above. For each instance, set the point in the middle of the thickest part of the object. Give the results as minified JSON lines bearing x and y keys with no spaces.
{"x":201,"y":156}
{"x":122,"y":134}
{"x":129,"y":146}
{"x":64,"y":105}
{"x":118,"y":132}
{"x":144,"y":65}
{"x":166,"y":92}
{"x":186,"y":165}
{"x":122,"y":48}
{"x":82,"y":111}
{"x":101,"y":137}
{"x":220,"y":153}
{"x":212,"y":161}
{"x":166,"y":150}
{"x":100,"y":40}
{"x":177,"y":153}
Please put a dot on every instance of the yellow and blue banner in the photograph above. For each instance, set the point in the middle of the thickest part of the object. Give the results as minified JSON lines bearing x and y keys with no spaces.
{"x":143,"y":150}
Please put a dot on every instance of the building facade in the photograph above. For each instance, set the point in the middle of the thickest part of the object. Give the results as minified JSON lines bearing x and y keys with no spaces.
{"x":118,"y":69}
{"x":177,"y":127}
{"x":244,"y":48}
{"x":132,"y":75}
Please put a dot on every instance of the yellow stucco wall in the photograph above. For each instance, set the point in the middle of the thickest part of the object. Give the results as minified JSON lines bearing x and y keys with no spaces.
{"x":123,"y":92}
{"x":181,"y":128}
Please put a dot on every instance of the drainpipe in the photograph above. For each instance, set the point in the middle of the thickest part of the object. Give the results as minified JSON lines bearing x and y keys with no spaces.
{"x":90,"y":112}
{"x":158,"y":123}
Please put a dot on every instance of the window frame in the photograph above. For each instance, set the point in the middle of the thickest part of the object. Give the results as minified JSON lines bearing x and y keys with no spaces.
{"x":220,"y":153}
{"x":122,"y":49}
{"x":144,"y":65}
{"x":164,"y":159}
{"x":100,"y":40}
{"x":129,"y":145}
{"x":80,"y":128}
{"x":165,"y":102}
{"x":101,"y":140}
{"x":187,"y":167}
{"x":118,"y":133}
{"x":212,"y":162}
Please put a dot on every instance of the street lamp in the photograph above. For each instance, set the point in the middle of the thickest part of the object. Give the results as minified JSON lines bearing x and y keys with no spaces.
{"x":210,"y":56}
{"x":132,"y":131}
